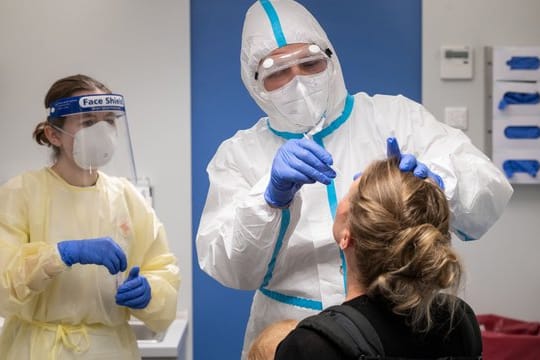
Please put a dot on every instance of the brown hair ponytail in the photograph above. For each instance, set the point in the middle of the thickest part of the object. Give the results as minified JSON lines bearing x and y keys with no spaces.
{"x":400,"y":227}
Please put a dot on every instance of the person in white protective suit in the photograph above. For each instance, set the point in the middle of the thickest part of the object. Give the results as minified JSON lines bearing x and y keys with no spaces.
{"x":274,"y":188}
{"x":80,"y":250}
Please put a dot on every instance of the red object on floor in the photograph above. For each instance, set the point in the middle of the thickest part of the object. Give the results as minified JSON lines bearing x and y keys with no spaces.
{"x":506,"y":338}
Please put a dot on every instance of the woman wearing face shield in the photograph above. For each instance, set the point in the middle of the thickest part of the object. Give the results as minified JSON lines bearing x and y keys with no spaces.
{"x":274,"y":187}
{"x":81,"y":251}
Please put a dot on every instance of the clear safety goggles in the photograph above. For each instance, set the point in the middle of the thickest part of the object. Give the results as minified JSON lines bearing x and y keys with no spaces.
{"x":99,"y":127}
{"x":277,"y":70}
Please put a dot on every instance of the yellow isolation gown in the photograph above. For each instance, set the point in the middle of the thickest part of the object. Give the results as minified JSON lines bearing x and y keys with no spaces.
{"x":53,"y":311}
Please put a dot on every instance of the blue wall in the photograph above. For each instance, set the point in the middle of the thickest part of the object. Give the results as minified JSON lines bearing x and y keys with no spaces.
{"x":379,"y":47}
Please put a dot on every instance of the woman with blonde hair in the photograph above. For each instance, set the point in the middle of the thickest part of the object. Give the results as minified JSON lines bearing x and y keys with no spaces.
{"x":402,"y":273}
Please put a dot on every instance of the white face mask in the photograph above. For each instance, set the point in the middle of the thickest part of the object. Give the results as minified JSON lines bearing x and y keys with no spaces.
{"x":93,"y":147}
{"x":304,"y":100}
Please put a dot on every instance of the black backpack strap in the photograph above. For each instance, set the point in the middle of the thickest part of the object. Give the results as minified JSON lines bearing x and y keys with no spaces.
{"x":347,"y":328}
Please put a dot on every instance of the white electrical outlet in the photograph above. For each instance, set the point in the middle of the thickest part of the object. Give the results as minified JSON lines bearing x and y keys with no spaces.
{"x":456,"y":117}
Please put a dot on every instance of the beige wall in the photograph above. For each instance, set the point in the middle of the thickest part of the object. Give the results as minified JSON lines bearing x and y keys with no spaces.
{"x":503,"y":266}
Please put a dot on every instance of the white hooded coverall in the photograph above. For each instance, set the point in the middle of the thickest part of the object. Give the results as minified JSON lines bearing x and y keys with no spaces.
{"x":289,"y":255}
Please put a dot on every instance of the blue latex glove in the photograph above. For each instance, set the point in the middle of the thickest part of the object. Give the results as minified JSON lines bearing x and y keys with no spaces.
{"x":408,"y":162}
{"x":100,"y":251}
{"x":530,"y":167}
{"x":524,"y":63}
{"x":135,"y":292}
{"x":513,"y":98}
{"x":297,"y":162}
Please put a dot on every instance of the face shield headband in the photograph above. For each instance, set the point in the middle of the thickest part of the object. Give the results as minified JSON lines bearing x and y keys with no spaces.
{"x":86,"y":103}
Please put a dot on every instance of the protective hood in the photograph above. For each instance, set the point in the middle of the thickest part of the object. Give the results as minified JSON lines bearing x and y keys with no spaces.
{"x":271,"y":24}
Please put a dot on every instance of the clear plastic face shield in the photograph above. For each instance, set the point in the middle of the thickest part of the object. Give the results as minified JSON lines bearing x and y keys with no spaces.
{"x":297,"y":81}
{"x":99,"y":128}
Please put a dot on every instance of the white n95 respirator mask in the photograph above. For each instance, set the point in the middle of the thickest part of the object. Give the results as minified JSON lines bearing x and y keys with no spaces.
{"x":94,"y":146}
{"x":304,"y":100}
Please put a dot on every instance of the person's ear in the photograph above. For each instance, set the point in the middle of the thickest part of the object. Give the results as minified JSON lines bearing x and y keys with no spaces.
{"x":346,"y":240}
{"x":52,"y":135}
